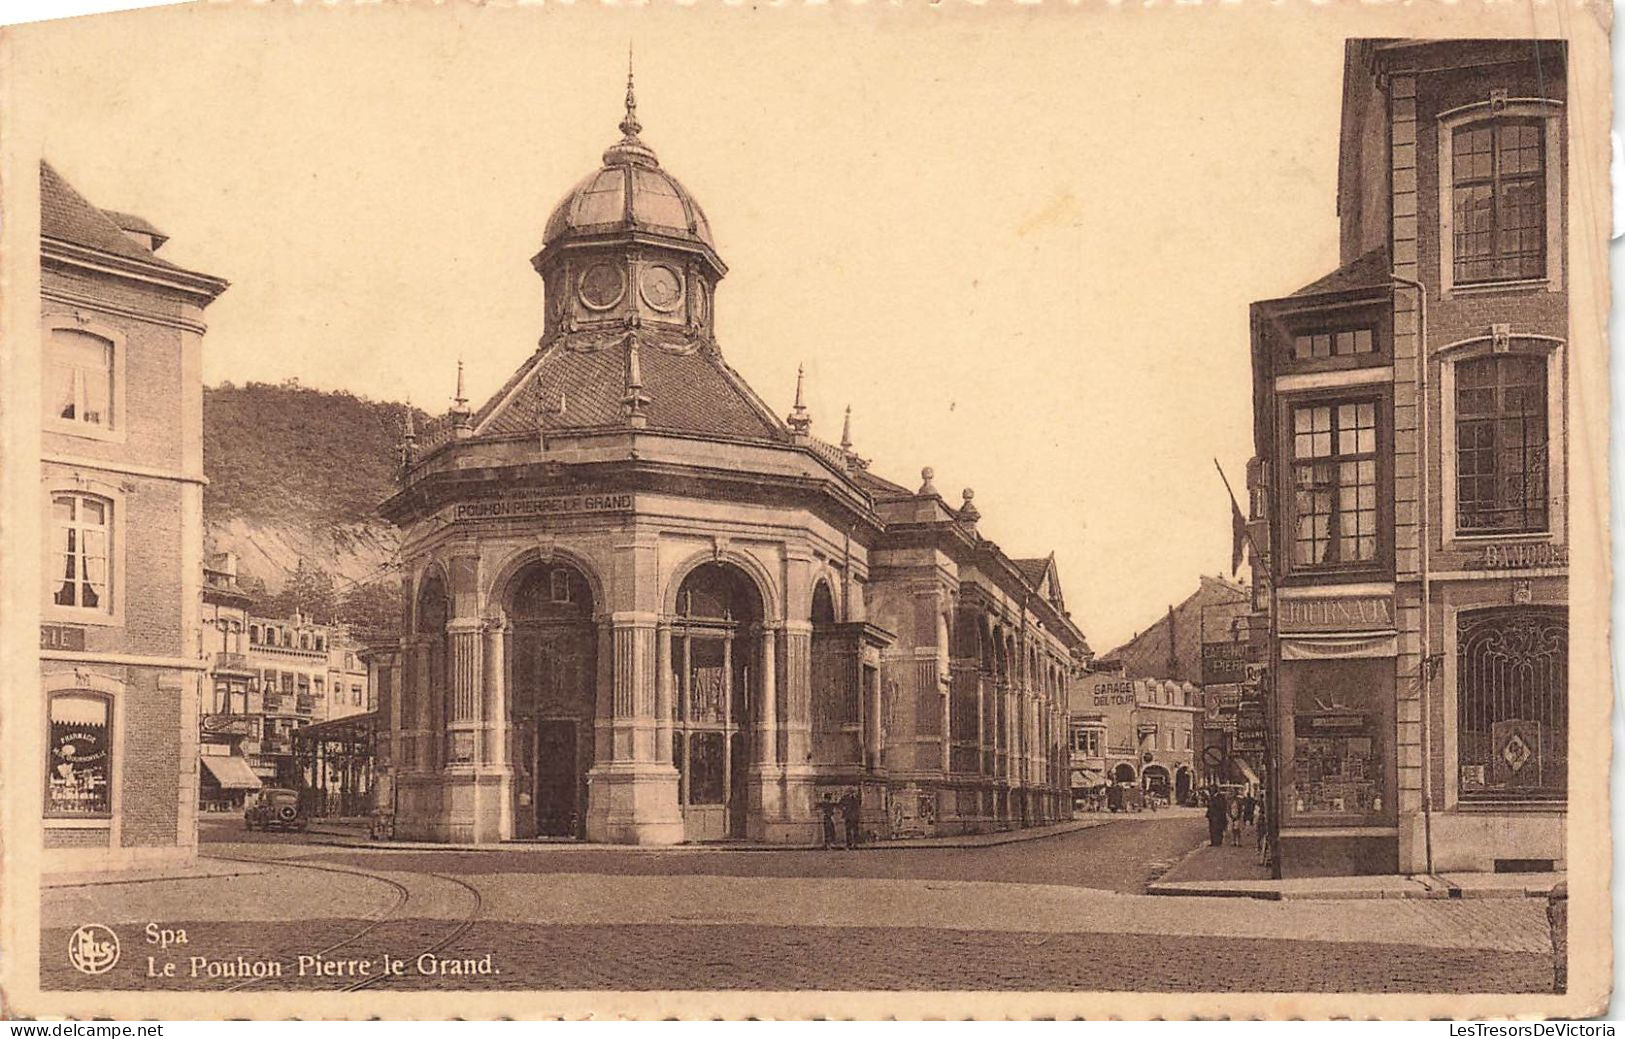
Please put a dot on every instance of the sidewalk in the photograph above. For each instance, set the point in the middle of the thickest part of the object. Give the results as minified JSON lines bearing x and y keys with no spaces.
{"x":355,"y":836}
{"x":1231,"y":872}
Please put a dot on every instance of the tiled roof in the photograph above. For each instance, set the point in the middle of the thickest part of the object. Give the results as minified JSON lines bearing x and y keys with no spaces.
{"x":1032,"y":569}
{"x":880,"y":485}
{"x":1365,"y":272}
{"x":68,"y":216}
{"x":689,"y":388}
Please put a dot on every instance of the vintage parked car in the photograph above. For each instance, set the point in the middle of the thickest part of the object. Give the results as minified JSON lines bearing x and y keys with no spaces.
{"x":276,"y":807}
{"x":1125,"y":797}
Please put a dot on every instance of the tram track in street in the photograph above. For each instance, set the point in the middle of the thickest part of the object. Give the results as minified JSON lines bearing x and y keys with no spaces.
{"x":403,"y":897}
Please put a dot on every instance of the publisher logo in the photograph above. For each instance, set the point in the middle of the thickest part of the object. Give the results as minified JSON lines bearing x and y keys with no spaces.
{"x":93,"y":949}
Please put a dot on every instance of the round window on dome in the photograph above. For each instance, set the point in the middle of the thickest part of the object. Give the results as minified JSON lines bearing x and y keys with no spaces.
{"x":662,"y":287}
{"x":602,"y":286}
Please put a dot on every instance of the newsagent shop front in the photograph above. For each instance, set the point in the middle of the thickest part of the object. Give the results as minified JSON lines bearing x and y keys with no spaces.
{"x":1338,"y":760}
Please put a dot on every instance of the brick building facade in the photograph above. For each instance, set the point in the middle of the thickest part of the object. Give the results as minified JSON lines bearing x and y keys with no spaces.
{"x":122,"y":492}
{"x":1410,"y":422}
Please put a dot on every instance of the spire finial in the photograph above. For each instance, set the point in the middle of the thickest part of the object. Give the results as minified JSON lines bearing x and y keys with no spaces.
{"x":800,"y":421}
{"x":846,"y":431}
{"x":629,"y":124}
{"x":461,"y":416}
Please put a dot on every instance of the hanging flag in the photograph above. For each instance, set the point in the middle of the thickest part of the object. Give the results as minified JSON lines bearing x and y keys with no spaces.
{"x":1238,"y":536}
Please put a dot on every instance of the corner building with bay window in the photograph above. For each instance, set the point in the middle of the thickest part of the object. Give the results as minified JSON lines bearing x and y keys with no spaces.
{"x":1411,"y":440}
{"x":643,"y":608}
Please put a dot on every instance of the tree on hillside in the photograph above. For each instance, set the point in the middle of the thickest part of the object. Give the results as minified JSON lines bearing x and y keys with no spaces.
{"x":372,"y":607}
{"x":309,"y":591}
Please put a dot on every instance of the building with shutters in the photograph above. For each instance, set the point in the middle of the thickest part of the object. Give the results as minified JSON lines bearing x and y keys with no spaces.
{"x":642,"y":607}
{"x":1411,"y":481}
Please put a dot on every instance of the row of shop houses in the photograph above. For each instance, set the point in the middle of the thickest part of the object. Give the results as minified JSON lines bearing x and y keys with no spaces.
{"x":273,"y":688}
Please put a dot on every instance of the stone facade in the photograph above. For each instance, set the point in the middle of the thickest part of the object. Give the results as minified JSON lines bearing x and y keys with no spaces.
{"x":643,"y":608}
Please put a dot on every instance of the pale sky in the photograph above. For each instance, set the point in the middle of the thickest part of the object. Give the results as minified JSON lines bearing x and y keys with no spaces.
{"x":1021,"y":244}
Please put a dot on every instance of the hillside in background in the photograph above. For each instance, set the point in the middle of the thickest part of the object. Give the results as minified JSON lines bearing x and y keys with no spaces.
{"x":295,"y":478}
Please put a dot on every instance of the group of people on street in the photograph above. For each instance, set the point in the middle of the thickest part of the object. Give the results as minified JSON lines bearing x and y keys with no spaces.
{"x":851,"y":807}
{"x":1231,"y":812}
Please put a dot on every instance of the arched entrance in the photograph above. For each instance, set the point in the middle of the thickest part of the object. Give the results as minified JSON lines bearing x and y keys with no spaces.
{"x":1156,"y":779}
{"x":1182,"y":784}
{"x":1123,"y":773}
{"x":552,"y":682}
{"x":716,"y":660}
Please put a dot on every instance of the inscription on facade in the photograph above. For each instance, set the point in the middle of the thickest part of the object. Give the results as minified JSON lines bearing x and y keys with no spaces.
{"x":1108,"y":693}
{"x":61,"y":636}
{"x":1363,"y":613}
{"x":540,"y":505}
{"x":1527,"y":556}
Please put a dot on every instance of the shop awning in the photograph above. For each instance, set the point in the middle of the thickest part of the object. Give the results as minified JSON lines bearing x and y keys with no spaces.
{"x":1246,"y":770}
{"x":231,"y":772}
{"x":1087,"y":777}
{"x":1339,"y":646}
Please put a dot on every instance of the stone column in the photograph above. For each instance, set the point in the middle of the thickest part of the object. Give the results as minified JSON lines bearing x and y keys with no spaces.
{"x":798,"y":823}
{"x":664,"y":698}
{"x":494,"y":725}
{"x":632,"y":786}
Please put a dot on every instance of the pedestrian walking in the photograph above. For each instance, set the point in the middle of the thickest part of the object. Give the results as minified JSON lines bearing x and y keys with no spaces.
{"x":1218,"y":815}
{"x":1249,"y":805}
{"x":851,"y":813}
{"x":1235,"y":822}
{"x":826,"y":808}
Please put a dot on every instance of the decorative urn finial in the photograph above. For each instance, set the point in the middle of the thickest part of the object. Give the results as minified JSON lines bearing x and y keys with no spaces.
{"x":927,"y":489}
{"x":968,"y":512}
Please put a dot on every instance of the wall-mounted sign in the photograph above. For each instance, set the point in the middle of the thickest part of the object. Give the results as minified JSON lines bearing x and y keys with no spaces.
{"x":1338,"y":613}
{"x":225,"y":724}
{"x":526,"y":505}
{"x":61,"y":636}
{"x":1118,"y":692}
{"x":1224,"y":662}
{"x":1525,"y":556}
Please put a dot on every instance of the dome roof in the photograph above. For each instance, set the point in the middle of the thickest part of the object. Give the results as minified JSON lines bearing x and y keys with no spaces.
{"x":629,"y":192}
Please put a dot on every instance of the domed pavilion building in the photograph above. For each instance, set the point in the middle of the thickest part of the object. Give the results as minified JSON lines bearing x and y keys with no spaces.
{"x":643,"y":608}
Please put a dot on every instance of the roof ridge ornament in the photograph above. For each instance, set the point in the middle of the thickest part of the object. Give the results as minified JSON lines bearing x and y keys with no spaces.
{"x":635,"y":400}
{"x":461,"y":416}
{"x":800,"y":420}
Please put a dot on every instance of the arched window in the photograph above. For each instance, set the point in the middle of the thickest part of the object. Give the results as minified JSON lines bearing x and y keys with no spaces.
{"x":79,"y":757}
{"x":81,"y":543}
{"x":823,"y":604}
{"x":79,"y":379}
{"x":1512,"y":676}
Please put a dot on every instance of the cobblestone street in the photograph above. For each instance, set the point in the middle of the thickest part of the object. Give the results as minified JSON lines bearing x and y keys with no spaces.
{"x":1061,"y":912}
